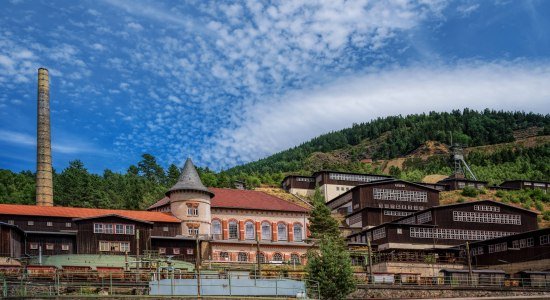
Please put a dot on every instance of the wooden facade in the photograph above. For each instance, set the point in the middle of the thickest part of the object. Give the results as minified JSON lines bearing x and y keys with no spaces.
{"x":298,"y":182}
{"x":526,"y":184}
{"x":11,"y":240}
{"x":109,"y":241}
{"x":522,"y":247}
{"x":460,"y":183}
{"x":450,"y":225}
{"x":181,"y":248}
{"x":379,"y":202}
{"x":345,"y":178}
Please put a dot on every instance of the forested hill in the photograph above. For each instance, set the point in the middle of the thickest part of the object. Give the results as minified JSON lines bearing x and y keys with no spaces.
{"x":398,"y":136}
{"x":502,"y":145}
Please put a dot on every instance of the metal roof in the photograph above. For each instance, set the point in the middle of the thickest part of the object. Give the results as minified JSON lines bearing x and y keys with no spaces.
{"x":189,"y":180}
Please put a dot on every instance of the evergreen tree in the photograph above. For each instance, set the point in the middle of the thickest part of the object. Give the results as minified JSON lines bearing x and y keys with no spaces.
{"x":329,"y":264}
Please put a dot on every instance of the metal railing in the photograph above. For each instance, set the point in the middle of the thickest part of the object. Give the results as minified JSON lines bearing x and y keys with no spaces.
{"x":156,"y":283}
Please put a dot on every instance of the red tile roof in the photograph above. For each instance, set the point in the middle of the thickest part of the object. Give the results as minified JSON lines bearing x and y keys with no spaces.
{"x":244,"y":199}
{"x":77,"y":212}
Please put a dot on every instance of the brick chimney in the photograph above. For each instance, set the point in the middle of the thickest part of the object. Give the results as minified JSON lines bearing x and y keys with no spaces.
{"x":44,"y":181}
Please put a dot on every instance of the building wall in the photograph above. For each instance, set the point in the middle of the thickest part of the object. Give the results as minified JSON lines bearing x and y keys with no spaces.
{"x":40,"y":223}
{"x":179,"y":203}
{"x":302,"y":192}
{"x":36,"y":241}
{"x":186,"y":248}
{"x":88,"y":241}
{"x":269,"y":251}
{"x":11,"y":242}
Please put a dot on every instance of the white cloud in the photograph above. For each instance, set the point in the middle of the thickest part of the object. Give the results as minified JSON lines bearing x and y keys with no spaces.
{"x":135,"y":26}
{"x":467,"y":9}
{"x":298,"y":116}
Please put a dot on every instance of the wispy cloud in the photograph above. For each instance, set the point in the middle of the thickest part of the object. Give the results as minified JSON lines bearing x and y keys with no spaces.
{"x":267,"y":128}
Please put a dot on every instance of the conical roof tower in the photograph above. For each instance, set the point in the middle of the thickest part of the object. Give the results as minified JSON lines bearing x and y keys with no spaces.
{"x":189,"y":180}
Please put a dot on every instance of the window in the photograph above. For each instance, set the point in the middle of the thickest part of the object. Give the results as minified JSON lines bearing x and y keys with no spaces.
{"x":354,"y":177}
{"x":11,"y":222}
{"x":242,"y":256}
{"x":397,"y":213}
{"x":260,"y":257}
{"x":424,"y":217}
{"x":98,"y":228}
{"x":544,"y":239}
{"x":233,"y":230}
{"x":399,"y":231}
{"x":30,"y":223}
{"x":523,"y":243}
{"x":129,"y":229}
{"x":266,"y":231}
{"x":125,"y":247}
{"x":378,"y":233}
{"x":477,"y":251}
{"x":249,"y":231}
{"x":305,"y":179}
{"x":277,"y":256}
{"x":455,"y":234}
{"x":162,"y":250}
{"x":193,"y":209}
{"x":487,"y":208}
{"x":68,"y":224}
{"x":193,"y":229}
{"x":33,"y":246}
{"x":295,"y":258}
{"x":176,"y":251}
{"x":297,"y":232}
{"x":49,"y":224}
{"x":485,"y":217}
{"x":49,"y":246}
{"x":224,"y":256}
{"x":65,"y":247}
{"x":282,"y":232}
{"x":217,"y":229}
{"x":501,"y":247}
{"x":400,"y":195}
{"x":109,"y":228}
{"x":119,"y":229}
{"x":104,"y":246}
{"x":189,"y":251}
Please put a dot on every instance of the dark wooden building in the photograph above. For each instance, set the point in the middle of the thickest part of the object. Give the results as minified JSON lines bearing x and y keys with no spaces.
{"x":455,"y":183}
{"x":443,"y":227}
{"x":518,"y":248}
{"x":383,"y":201}
{"x":11,"y":240}
{"x":526,"y":184}
{"x":70,"y":230}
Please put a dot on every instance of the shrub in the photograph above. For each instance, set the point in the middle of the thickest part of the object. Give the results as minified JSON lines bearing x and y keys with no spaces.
{"x":469,"y":192}
{"x":546,"y":215}
{"x":539,"y":206}
{"x":500,"y":194}
{"x":461,"y":200}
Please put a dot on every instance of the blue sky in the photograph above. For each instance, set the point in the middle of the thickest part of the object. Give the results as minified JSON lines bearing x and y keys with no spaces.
{"x":231,"y":82}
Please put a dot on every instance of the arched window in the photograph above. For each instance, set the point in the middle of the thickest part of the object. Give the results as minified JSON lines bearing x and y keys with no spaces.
{"x":281,"y":232}
{"x":233,"y":230}
{"x":243,"y":256}
{"x":249,"y":232}
{"x":297,"y":232}
{"x":224,"y":256}
{"x":294,"y":259}
{"x":277,"y":257}
{"x":266,"y":231}
{"x":260,"y":257}
{"x":217,"y":229}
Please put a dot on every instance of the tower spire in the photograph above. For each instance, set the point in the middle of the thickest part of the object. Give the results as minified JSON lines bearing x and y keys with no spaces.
{"x":189,"y":180}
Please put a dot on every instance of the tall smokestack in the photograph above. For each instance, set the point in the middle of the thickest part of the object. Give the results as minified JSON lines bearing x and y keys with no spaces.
{"x":44,"y":182}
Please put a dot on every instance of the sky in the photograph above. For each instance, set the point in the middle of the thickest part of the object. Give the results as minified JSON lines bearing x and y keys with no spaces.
{"x":228,"y":82}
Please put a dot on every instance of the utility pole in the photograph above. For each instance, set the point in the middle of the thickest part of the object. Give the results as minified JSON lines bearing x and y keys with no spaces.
{"x":370,"y":259}
{"x":258,"y":257}
{"x":198,"y":265}
{"x":469,"y":263}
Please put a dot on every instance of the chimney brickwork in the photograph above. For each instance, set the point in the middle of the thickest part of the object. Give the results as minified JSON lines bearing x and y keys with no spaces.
{"x":44,"y":180}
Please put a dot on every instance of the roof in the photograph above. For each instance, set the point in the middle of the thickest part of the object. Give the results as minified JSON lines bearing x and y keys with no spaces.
{"x":518,"y":235}
{"x":111,"y":215}
{"x":473,"y":271}
{"x":189,"y":180}
{"x":461,"y":179}
{"x":525,"y":180}
{"x":77,"y":212}
{"x":11,"y":226}
{"x":352,"y":173}
{"x":244,"y":199}
{"x":248,"y":199}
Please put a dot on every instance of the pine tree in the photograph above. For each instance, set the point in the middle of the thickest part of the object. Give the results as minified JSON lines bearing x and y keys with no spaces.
{"x":329,"y":264}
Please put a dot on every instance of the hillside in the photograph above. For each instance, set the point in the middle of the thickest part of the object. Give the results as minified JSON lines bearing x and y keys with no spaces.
{"x":416,"y":146}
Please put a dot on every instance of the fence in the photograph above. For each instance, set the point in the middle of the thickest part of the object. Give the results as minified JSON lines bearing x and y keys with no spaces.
{"x":153,"y":283}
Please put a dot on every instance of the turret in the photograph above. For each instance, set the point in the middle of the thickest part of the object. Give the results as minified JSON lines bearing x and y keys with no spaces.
{"x":190,"y":202}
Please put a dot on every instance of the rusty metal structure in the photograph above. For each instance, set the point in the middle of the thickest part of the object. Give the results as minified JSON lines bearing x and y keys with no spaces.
{"x":44,"y":181}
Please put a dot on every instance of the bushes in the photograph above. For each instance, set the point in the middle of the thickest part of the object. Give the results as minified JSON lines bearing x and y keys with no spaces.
{"x":546,"y":215}
{"x":469,"y":192}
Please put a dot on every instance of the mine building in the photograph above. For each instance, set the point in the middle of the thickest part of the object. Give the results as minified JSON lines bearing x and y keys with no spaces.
{"x":371,"y":204}
{"x":457,"y":183}
{"x":513,"y":253}
{"x":331,"y":183}
{"x":450,"y":225}
{"x":226,"y":223}
{"x":526,"y":184}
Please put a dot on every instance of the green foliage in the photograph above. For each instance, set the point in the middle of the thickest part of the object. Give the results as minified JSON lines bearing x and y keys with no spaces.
{"x":546,"y":215}
{"x":321,"y":223}
{"x":461,"y":200}
{"x":330,"y":267}
{"x":330,"y":264}
{"x":469,"y":192}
